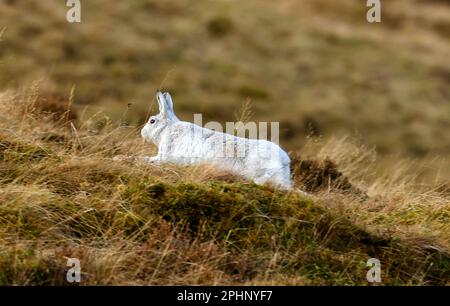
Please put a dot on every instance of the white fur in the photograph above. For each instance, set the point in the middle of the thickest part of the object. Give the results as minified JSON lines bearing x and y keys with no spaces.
{"x":185,"y":143}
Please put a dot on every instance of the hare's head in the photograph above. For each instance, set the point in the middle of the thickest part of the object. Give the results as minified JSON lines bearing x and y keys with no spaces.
{"x":156,"y":124}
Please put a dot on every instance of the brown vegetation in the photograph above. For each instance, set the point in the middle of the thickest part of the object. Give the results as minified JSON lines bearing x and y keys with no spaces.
{"x":130,"y":223}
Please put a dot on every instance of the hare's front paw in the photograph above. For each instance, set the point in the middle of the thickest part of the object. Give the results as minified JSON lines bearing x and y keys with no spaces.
{"x":151,"y":159}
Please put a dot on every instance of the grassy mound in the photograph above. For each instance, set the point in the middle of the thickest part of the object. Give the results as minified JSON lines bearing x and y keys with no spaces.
{"x":135,"y":224}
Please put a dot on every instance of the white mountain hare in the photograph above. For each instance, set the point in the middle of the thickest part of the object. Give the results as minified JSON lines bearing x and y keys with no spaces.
{"x":185,"y":143}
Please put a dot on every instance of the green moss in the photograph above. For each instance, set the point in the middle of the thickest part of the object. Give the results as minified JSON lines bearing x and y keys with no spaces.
{"x":246,"y":216}
{"x":25,"y":267}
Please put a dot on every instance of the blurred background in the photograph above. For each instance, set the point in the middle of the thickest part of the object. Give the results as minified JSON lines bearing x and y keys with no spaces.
{"x":316,"y":66}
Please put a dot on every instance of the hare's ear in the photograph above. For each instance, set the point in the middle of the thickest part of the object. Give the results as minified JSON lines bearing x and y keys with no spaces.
{"x":162,"y":103}
{"x":169,"y":101}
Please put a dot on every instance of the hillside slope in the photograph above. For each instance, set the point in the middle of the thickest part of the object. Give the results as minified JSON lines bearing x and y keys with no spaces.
{"x":62,"y":196}
{"x":317,"y":67}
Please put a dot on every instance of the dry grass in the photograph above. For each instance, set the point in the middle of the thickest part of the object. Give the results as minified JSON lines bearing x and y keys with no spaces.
{"x":314,"y":66}
{"x":62,"y":196}
{"x":317,"y":67}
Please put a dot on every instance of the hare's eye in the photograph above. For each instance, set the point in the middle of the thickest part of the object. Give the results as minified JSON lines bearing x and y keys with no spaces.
{"x":152,"y":121}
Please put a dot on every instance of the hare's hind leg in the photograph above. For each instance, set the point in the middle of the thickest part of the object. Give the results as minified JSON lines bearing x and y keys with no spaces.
{"x":282,"y":183}
{"x":275,"y":177}
{"x":280,"y":177}
{"x":262,"y":179}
